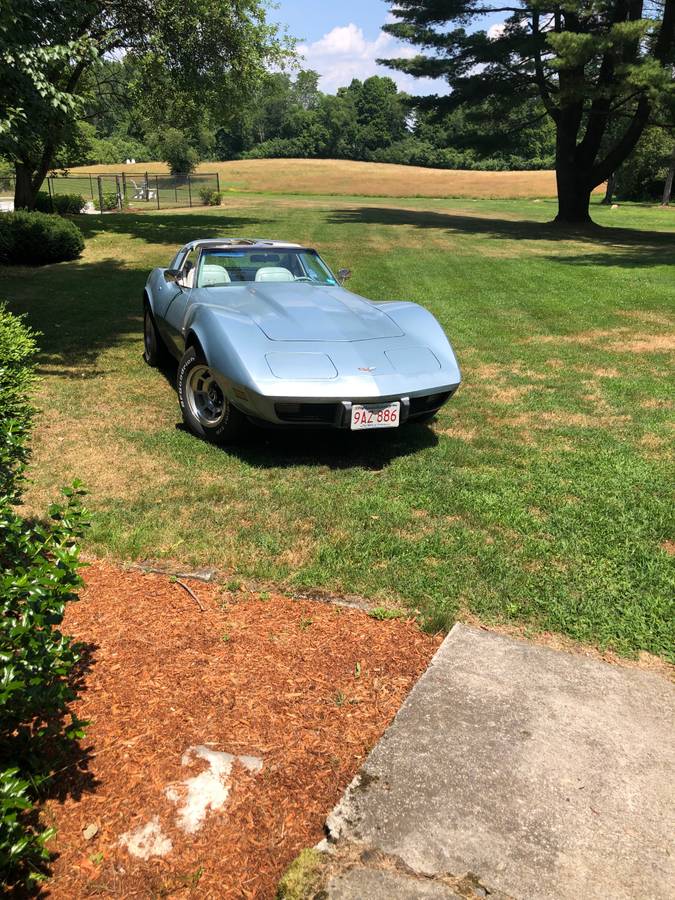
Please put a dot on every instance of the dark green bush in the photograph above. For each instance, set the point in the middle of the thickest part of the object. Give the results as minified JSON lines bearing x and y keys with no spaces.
{"x":35,"y":238}
{"x":62,"y":204}
{"x":210,"y":196}
{"x":38,"y":576}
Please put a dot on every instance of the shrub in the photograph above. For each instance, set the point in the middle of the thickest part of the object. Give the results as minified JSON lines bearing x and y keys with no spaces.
{"x":63,"y":204}
{"x":38,"y":576}
{"x":110,"y":201}
{"x":35,"y":238}
{"x":210,"y":196}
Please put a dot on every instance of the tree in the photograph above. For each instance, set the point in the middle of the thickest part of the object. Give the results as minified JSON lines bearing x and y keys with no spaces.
{"x":213,"y":50}
{"x":668,"y":185}
{"x":591,"y":62}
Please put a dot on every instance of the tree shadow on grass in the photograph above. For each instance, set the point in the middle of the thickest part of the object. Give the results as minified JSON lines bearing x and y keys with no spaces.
{"x":173,"y":230}
{"x":79,"y":309}
{"x":629,"y":247}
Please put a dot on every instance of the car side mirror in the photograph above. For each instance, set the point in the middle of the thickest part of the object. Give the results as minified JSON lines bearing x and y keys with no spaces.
{"x":343,"y":275}
{"x":172,"y":275}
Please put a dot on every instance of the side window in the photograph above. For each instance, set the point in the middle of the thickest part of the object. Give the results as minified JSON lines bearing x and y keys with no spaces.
{"x":188,"y":269}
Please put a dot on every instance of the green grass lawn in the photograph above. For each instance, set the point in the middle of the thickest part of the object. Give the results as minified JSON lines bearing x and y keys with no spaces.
{"x":540,"y":495}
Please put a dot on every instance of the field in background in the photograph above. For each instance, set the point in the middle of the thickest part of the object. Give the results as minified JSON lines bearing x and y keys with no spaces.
{"x":541,"y":495}
{"x":331,"y":176}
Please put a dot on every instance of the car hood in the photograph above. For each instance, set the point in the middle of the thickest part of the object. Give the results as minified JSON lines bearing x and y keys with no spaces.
{"x":306,"y":312}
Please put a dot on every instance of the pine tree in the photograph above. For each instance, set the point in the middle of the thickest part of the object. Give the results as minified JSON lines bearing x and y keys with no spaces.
{"x":599,"y":66}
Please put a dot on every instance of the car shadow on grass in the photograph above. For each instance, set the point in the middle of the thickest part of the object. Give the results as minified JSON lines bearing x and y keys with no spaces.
{"x":284,"y":448}
{"x":629,"y":247}
{"x":271,"y":448}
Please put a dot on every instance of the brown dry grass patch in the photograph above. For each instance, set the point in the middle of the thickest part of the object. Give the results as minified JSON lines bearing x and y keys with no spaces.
{"x":618,"y":340}
{"x":330,"y":176}
{"x":307,"y":687}
{"x":646,"y":343}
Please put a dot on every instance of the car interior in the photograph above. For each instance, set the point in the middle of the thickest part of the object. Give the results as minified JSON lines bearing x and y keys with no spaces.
{"x":241,"y":266}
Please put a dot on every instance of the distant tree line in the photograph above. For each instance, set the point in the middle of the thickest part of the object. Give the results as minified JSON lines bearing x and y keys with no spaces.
{"x":287,"y":116}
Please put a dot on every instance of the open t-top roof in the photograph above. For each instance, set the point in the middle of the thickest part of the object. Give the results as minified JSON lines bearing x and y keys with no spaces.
{"x":247,"y":243}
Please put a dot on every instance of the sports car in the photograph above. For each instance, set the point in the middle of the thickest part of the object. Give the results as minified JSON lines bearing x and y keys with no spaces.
{"x":265,"y":333}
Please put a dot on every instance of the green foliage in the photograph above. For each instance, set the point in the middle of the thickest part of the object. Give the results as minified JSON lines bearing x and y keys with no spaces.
{"x":599,"y":70}
{"x":38,"y":576}
{"x":382,"y":613}
{"x":210,"y":196}
{"x":61,"y":204}
{"x":109,"y":201}
{"x":35,"y":239}
{"x":643,"y":175}
{"x":212,"y":53}
{"x":17,"y":351}
{"x":174,"y":147}
{"x":20,"y":843}
{"x":369,"y":121}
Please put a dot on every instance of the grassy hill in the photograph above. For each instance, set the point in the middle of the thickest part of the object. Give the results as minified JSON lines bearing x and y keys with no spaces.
{"x":359,"y":179}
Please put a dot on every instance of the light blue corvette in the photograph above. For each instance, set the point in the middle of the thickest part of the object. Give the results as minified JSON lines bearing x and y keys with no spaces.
{"x":265,"y":333}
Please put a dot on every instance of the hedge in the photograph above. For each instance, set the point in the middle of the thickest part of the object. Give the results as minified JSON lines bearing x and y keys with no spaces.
{"x":35,"y":238}
{"x":62,"y":204}
{"x":38,"y":576}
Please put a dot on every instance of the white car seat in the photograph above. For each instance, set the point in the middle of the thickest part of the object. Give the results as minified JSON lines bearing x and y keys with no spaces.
{"x":212,"y":273}
{"x":274,"y":273}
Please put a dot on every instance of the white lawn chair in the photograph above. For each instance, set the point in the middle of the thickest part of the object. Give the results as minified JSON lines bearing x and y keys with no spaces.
{"x":142,"y":192}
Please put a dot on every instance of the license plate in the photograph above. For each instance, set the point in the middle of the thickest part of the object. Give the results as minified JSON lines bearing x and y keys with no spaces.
{"x":376,"y":415}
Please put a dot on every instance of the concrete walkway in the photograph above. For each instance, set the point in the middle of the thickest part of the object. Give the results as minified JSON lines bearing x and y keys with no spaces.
{"x":515,"y":771}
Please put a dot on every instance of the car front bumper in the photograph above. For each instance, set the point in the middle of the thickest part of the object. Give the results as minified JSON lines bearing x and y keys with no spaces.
{"x":331,"y":412}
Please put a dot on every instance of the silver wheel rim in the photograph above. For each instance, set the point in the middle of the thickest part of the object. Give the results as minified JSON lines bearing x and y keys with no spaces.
{"x":205,"y":397}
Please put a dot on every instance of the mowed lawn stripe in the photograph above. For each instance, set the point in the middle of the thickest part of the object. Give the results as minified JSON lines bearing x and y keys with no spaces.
{"x":540,"y":495}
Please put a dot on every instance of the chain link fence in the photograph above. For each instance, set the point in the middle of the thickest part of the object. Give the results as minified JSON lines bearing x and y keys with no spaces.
{"x":147,"y":190}
{"x":121,"y":191}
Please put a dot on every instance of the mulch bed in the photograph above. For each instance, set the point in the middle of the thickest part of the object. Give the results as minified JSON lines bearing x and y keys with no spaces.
{"x":307,"y":687}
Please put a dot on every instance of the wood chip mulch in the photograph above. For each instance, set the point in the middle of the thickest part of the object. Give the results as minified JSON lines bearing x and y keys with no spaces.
{"x":307,"y":687}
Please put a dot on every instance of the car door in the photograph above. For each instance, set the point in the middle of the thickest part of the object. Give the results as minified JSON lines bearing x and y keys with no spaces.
{"x":176,"y":309}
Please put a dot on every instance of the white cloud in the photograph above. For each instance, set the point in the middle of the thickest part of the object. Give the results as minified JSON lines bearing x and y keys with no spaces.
{"x":496,"y":31}
{"x":345,"y":53}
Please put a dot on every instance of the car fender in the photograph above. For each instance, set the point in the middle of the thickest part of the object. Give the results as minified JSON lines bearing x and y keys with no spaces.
{"x":418,"y":323}
{"x":232,"y":343}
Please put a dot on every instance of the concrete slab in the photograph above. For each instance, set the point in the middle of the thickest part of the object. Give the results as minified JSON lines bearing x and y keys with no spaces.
{"x":545,"y":774}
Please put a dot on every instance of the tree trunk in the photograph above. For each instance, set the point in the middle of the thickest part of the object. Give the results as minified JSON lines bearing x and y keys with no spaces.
{"x":609,"y":193}
{"x":668,"y":186}
{"x":24,"y":196}
{"x":29,"y":181}
{"x":574,"y":197}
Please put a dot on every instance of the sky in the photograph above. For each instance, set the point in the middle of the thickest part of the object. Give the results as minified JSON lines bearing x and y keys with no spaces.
{"x":341,"y":40}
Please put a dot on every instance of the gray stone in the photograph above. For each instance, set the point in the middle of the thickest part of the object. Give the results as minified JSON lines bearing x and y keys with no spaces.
{"x":378,"y":884}
{"x":547,"y":774}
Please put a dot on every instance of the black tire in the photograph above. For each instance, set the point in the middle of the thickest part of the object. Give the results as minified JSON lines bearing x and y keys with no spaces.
{"x":206,"y":411}
{"x":154,"y":349}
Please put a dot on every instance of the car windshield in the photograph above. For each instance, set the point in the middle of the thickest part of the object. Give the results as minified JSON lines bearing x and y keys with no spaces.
{"x":224,"y":267}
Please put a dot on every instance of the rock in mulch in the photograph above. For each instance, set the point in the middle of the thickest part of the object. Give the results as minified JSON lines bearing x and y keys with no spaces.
{"x":218,"y":740}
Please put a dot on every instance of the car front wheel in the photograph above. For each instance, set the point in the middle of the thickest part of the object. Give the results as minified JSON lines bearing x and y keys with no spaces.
{"x":154,"y":350}
{"x":206,"y":410}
